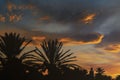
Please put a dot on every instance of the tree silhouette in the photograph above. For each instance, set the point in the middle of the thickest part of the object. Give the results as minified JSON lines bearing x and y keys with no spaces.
{"x":11,"y":45}
{"x":100,"y":75}
{"x":91,"y":74}
{"x":118,"y":77}
{"x":100,"y":71}
{"x":105,"y":77}
{"x":54,"y":58}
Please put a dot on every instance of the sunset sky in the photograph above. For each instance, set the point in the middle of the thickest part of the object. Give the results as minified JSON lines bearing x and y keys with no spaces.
{"x":90,"y":28}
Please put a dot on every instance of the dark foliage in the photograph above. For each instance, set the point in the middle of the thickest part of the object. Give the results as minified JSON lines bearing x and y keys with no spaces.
{"x":11,"y":45}
{"x":53,"y":59}
{"x":53,"y":63}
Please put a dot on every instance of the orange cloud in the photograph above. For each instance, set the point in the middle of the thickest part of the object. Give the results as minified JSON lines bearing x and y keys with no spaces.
{"x":38,"y":38}
{"x":11,"y":18}
{"x":65,"y":40}
{"x":44,"y":18}
{"x":110,"y":62}
{"x":11,"y":6}
{"x":15,"y":18}
{"x":112,"y":48}
{"x":70,"y":41}
{"x":2,"y":18}
{"x":112,"y":69}
{"x":89,"y":18}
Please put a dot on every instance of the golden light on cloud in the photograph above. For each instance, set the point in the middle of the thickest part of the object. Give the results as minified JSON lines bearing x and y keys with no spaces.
{"x":2,"y":18}
{"x":113,"y":48}
{"x":38,"y":38}
{"x":89,"y":18}
{"x":65,"y":40}
{"x":110,"y":62}
{"x":99,"y":39}
{"x":10,"y":18}
{"x":112,"y":70}
{"x":70,"y":41}
{"x":15,"y":18}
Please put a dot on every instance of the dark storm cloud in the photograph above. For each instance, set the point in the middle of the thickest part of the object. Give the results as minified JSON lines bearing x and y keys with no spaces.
{"x":111,"y":30}
{"x":72,"y":10}
{"x":111,"y":41}
{"x":91,"y":38}
{"x":64,"y":11}
{"x":64,"y":18}
{"x":87,"y":37}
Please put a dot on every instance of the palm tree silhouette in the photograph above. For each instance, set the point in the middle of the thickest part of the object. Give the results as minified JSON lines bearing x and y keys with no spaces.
{"x":54,"y":59}
{"x":100,"y":74}
{"x":11,"y":45}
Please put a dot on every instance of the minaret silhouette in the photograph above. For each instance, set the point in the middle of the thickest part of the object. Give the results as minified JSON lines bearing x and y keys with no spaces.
{"x":91,"y":74}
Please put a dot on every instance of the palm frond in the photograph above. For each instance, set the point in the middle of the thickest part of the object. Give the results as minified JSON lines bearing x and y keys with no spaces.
{"x":63,"y":54}
{"x":54,"y":53}
{"x":26,"y":54}
{"x":11,"y":44}
{"x":66,"y":56}
{"x":42,"y":55}
{"x":25,"y":46}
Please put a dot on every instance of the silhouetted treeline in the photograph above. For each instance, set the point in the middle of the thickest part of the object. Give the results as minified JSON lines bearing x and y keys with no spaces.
{"x":50,"y":63}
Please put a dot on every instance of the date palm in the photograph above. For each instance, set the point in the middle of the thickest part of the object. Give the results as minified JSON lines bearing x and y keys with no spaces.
{"x":53,"y":57}
{"x":11,"y":45}
{"x":99,"y":74}
{"x":100,"y":71}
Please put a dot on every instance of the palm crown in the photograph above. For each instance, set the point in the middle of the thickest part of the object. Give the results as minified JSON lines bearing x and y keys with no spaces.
{"x":11,"y":45}
{"x":53,"y":54}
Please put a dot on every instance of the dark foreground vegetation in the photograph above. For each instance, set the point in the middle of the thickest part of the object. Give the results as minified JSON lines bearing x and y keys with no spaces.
{"x":50,"y":63}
